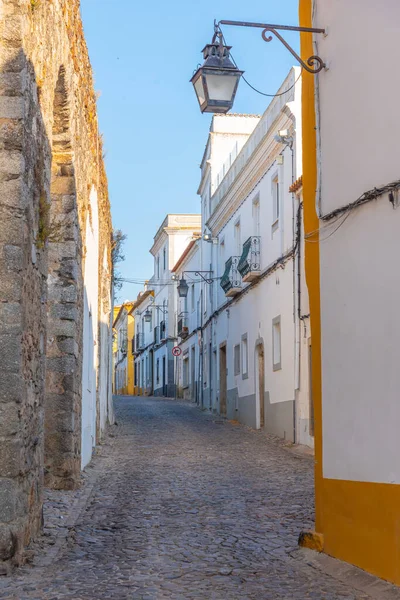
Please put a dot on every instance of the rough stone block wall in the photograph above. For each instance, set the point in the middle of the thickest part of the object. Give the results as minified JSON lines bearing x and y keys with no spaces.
{"x":50,"y":159}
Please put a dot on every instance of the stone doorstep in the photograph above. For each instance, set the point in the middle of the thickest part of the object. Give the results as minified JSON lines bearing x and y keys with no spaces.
{"x":348,"y":574}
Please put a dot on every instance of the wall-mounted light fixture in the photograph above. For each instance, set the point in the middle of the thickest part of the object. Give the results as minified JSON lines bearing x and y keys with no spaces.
{"x":207,"y":237}
{"x":160,"y":307}
{"x":283,"y":137}
{"x":183,"y":287}
{"x":217,"y":80}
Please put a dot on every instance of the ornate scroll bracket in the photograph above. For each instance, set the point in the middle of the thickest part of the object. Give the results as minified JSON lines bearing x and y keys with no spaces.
{"x":314,"y":64}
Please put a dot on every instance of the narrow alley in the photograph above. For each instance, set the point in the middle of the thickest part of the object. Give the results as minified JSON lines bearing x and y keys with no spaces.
{"x":187,"y":505}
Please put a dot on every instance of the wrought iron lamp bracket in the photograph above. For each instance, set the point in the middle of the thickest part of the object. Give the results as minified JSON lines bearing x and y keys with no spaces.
{"x":159,"y":307}
{"x":208,"y":280}
{"x":314,"y":63}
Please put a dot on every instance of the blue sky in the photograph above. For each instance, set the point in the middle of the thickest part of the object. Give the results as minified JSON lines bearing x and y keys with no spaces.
{"x":143,"y":55}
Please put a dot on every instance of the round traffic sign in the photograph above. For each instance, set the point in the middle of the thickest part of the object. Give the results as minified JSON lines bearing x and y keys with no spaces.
{"x":176,"y":351}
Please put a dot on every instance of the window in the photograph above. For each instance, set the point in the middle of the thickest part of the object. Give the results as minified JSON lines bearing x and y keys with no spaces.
{"x":185,"y":372}
{"x":238,"y":248}
{"x":158,"y":370}
{"x":222,"y":256}
{"x":276,"y":343}
{"x":275,"y":199}
{"x":158,"y":267}
{"x":193,"y":303}
{"x":256,"y":216}
{"x":245,"y":357}
{"x":236,"y":359}
{"x":165,"y":259}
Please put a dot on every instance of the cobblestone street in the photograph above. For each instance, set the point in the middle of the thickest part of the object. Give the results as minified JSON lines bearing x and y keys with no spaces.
{"x":186,"y":505}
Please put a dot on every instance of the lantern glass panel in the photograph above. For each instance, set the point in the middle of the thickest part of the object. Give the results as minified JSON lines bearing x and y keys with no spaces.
{"x":221,"y":87}
{"x":199,"y":89}
{"x":183,"y":288}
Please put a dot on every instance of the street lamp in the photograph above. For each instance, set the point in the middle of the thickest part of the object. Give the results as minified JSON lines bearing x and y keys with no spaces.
{"x":147,"y":316}
{"x":216,"y":81}
{"x":183,"y":288}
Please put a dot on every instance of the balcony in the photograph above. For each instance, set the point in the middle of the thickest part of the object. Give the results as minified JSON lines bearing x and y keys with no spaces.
{"x":183,"y":329}
{"x":231,"y":281}
{"x":250,"y":262}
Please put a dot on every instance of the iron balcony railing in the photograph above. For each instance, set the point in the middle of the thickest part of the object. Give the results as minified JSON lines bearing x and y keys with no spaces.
{"x":231,"y":281}
{"x":250,"y":261}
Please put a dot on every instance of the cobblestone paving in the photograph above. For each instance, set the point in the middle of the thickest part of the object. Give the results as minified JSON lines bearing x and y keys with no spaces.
{"x":187,"y":506}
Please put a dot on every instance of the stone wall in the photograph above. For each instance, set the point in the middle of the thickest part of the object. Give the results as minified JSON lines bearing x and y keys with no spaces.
{"x":50,"y":160}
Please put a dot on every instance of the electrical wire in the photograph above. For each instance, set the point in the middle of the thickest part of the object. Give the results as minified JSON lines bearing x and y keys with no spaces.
{"x":161,"y":283}
{"x":342,"y":213}
{"x":273,"y":95}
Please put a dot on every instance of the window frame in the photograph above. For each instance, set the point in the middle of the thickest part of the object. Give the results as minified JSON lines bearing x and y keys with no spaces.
{"x":276,"y":327}
{"x":276,"y":200}
{"x":236,"y":360}
{"x":237,"y":235}
{"x":244,"y":351}
{"x":256,"y":214}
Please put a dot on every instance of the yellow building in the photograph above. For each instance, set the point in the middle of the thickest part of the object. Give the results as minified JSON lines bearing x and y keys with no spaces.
{"x":114,"y":345}
{"x":123,"y":335}
{"x":351,"y":189}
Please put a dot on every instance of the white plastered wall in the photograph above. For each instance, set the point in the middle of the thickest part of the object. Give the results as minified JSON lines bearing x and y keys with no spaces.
{"x":90,"y":328}
{"x":360,"y":287}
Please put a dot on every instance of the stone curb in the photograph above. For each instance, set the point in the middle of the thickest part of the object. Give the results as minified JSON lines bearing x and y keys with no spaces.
{"x":376,"y":588}
{"x":76,"y":510}
{"x":49,"y":555}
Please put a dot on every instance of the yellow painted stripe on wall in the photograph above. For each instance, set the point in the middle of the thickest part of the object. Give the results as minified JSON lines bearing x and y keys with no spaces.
{"x":311,"y":254}
{"x":362,"y":525}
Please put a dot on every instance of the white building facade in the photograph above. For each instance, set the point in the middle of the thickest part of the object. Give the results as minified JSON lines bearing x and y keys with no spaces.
{"x":143,"y":344}
{"x":253,"y":345}
{"x":156,"y":316}
{"x":189,"y":325}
